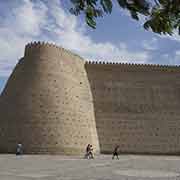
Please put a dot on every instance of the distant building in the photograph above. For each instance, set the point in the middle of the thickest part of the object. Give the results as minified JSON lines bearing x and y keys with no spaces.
{"x":56,"y":102}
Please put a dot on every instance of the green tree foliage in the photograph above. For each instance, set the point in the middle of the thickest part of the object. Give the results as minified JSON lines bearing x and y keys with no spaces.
{"x":162,"y":16}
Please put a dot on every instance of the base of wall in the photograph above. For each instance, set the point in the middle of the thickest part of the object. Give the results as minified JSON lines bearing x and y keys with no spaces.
{"x":53,"y":151}
{"x":144,"y":153}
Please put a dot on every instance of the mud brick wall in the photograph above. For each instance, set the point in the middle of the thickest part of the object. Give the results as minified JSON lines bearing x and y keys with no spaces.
{"x":47,"y":104}
{"x":136,"y":107}
{"x":55,"y":102}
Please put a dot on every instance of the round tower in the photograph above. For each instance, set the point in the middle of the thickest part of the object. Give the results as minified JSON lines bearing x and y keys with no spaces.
{"x":47,"y":104}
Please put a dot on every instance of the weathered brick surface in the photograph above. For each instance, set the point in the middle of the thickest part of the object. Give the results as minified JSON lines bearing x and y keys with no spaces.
{"x":136,"y":107}
{"x":55,"y":102}
{"x":46,"y":104}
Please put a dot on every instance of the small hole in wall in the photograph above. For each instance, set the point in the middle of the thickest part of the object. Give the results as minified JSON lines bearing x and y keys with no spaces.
{"x":80,"y":82}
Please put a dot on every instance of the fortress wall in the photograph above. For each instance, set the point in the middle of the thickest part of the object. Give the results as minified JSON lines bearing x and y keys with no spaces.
{"x":47,"y":104}
{"x":136,"y":107}
{"x":55,"y":103}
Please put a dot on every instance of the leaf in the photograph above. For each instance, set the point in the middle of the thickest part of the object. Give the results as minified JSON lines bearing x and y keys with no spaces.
{"x":99,"y":13}
{"x":91,"y":22}
{"x":107,"y":5}
{"x":122,"y":3}
{"x":90,"y":11}
{"x":163,"y":2}
{"x":163,"y":15}
{"x":74,"y":11}
{"x":146,"y":25}
{"x":134,"y":15}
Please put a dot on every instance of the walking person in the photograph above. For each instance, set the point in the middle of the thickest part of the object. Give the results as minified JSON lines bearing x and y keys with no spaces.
{"x":115,"y":152}
{"x":91,"y":152}
{"x":19,"y":149}
{"x":87,"y":152}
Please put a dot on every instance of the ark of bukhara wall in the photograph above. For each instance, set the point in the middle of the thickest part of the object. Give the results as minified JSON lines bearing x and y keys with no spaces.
{"x":56,"y":102}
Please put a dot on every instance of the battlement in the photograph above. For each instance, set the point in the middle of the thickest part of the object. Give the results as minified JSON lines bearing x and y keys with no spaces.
{"x":33,"y":47}
{"x":135,"y":66}
{"x":54,"y":51}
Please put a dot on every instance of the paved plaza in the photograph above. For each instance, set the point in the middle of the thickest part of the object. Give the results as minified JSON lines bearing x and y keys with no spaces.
{"x":53,"y":167}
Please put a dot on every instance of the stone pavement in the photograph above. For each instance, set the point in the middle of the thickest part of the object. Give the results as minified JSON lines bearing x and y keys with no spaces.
{"x":53,"y":167}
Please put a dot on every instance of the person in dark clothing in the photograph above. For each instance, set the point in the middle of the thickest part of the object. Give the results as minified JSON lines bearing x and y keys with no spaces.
{"x":87,"y":152}
{"x":91,"y":152}
{"x":115,"y":152}
{"x":19,"y":150}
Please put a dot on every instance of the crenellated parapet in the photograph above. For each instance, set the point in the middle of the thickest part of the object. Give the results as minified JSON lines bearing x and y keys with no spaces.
{"x":53,"y":51}
{"x":48,"y":49}
{"x":134,"y":66}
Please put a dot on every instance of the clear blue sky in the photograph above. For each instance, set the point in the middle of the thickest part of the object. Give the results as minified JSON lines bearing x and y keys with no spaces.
{"x":116,"y":38}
